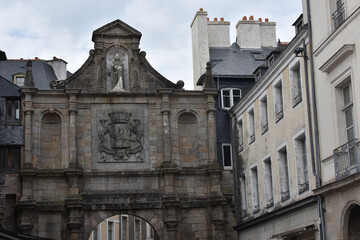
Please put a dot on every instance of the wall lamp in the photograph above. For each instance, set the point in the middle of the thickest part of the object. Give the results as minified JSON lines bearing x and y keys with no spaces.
{"x":299,"y":52}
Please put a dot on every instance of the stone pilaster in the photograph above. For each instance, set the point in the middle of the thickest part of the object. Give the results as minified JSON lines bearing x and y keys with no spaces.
{"x":72,"y":105}
{"x":28,"y":111}
{"x":75,"y":221}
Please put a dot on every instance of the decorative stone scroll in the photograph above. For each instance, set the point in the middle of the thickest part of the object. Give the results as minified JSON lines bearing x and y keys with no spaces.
{"x":120,"y":137}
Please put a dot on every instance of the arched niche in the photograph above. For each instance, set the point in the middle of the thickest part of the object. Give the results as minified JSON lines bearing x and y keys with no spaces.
{"x":51,"y":141}
{"x":351,"y":221}
{"x":188,"y":139}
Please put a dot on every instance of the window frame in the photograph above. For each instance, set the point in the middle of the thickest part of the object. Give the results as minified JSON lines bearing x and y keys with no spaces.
{"x":112,"y":230}
{"x":268,"y":182}
{"x":264,"y":114}
{"x":240,"y":128}
{"x":251,"y":125}
{"x":255,"y":191}
{"x":122,"y":237}
{"x":296,"y":84}
{"x":231,"y":97}
{"x":243,"y":195}
{"x":15,"y":79}
{"x":284,"y":181}
{"x":6,"y":168}
{"x":11,"y":119}
{"x":302,"y":163}
{"x":223,"y":156}
{"x":278,"y":91}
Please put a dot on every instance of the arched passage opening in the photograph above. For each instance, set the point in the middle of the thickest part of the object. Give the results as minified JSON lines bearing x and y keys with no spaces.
{"x":124,"y":227}
{"x":353,"y":226}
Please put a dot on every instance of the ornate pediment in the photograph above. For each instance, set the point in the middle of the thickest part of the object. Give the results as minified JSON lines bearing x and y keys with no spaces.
{"x":115,"y":29}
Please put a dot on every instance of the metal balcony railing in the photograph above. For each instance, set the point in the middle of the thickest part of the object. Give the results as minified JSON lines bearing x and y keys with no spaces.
{"x":346,"y":159}
{"x":339,"y":16}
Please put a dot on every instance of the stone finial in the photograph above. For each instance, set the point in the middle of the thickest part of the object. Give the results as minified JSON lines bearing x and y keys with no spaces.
{"x":209,"y":81}
{"x":29,"y":80}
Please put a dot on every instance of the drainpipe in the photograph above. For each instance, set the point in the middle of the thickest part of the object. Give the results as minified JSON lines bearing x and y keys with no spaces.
{"x":316,"y":129}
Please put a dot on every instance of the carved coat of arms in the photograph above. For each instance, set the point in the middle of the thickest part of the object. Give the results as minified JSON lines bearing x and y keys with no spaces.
{"x":121,"y":137}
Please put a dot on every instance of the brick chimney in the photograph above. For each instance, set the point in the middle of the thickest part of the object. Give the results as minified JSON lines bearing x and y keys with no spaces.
{"x":255,"y":33}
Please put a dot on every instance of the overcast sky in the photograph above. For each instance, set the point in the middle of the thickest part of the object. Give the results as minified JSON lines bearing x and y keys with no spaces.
{"x":34,"y":28}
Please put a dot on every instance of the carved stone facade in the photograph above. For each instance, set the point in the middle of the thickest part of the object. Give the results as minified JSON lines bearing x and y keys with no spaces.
{"x":118,"y":138}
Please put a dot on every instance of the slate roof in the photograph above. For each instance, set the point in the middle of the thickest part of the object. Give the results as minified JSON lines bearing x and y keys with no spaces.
{"x":235,"y":61}
{"x":43,"y":73}
{"x":7,"y":88}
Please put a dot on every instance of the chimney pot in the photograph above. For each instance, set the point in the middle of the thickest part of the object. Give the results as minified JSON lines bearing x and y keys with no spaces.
{"x":260,"y":19}
{"x":266,"y":20}
{"x":207,"y":19}
{"x":21,"y":59}
{"x":54,"y":58}
{"x":251,"y":18}
{"x":201,"y":9}
{"x":215,"y":19}
{"x":222,"y":19}
{"x":36,"y":58}
{"x":244,"y":18}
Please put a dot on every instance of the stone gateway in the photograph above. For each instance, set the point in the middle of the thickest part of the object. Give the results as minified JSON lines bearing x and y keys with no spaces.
{"x":117,"y":137}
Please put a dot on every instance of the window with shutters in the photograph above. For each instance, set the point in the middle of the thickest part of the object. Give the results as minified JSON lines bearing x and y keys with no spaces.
{"x":284,"y":174}
{"x":243,"y":196}
{"x":264,"y":115}
{"x":295,"y":80}
{"x":278,"y":97}
{"x":240,"y":135}
{"x":301,"y":163}
{"x":255,"y":190}
{"x":268,"y":183}
{"x":251,"y":126}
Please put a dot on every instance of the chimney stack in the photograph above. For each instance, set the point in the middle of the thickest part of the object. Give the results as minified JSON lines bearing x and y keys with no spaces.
{"x":255,"y":33}
{"x":59,"y":66}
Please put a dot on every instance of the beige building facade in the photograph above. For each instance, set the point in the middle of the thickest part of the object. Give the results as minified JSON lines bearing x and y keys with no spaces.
{"x":273,"y":163}
{"x":336,"y":43}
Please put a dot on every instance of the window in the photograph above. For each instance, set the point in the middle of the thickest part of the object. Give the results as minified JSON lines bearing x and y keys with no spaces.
{"x":255,"y":189}
{"x":241,"y":135}
{"x":296,"y":85}
{"x":251,"y":126}
{"x":9,"y":158}
{"x":95,"y":233}
{"x":264,"y":115}
{"x":258,"y":75}
{"x":348,"y":112}
{"x":339,"y":13}
{"x":257,"y":56}
{"x":269,"y":196}
{"x":279,"y":108}
{"x":301,"y":164}
{"x":110,"y":235}
{"x":137,"y":229}
{"x":150,"y":233}
{"x":12,"y":111}
{"x":227,"y":156}
{"x":229,"y":97}
{"x":284,"y":174}
{"x":124,"y":228}
{"x":19,"y":79}
{"x":243,"y":197}
{"x":271,"y":60}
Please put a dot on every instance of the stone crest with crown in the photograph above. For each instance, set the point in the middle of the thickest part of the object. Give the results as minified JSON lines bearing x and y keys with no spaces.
{"x":120,"y":139}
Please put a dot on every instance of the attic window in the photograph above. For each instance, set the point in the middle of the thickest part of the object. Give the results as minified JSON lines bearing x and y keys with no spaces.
{"x":257,"y":56}
{"x":19,"y":79}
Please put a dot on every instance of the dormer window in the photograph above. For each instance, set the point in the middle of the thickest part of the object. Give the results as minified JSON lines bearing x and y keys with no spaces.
{"x":19,"y":79}
{"x":271,"y":60}
{"x":229,"y":96}
{"x":257,"y":56}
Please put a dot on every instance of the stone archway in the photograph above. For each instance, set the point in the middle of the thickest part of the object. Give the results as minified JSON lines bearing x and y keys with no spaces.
{"x":351,"y":222}
{"x":93,"y":218}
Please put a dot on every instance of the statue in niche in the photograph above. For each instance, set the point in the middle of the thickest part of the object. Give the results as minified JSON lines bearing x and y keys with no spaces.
{"x":121,"y":138}
{"x":117,"y":72}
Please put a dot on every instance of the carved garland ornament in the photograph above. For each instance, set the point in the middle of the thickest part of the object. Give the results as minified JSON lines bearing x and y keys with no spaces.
{"x":121,"y":137}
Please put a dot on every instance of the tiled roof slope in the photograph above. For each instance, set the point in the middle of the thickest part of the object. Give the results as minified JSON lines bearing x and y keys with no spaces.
{"x":235,"y":61}
{"x":7,"y":88}
{"x":42,"y":72}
